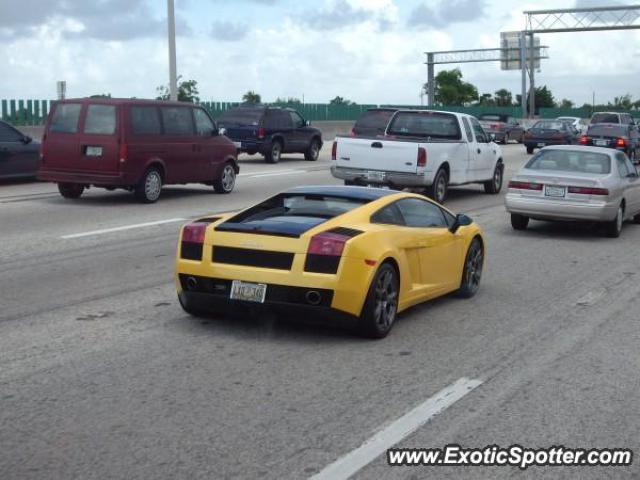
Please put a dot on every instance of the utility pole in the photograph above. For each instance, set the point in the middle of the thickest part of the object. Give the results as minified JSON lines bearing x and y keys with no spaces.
{"x":173,"y":76}
{"x":532,"y":85}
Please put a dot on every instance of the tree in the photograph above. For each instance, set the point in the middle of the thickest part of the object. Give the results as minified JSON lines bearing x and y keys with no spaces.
{"x":450,"y":89}
{"x":289,"y":101}
{"x":486,"y":99}
{"x":503,"y":98}
{"x":187,"y":91}
{"x":340,"y":101}
{"x":566,"y":103}
{"x":544,"y":99}
{"x":251,"y":97}
{"x":623,"y":102}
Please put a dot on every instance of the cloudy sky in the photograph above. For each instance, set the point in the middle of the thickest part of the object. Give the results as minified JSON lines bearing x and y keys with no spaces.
{"x":369,"y":51}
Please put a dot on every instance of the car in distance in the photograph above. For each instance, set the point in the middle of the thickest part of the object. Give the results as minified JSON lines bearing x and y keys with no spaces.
{"x":356,"y":253}
{"x":138,"y":145}
{"x":423,"y":149}
{"x":271,"y":131}
{"x":373,"y":122}
{"x":19,"y":154}
{"x":575,"y":183}
{"x":622,"y":137}
{"x":503,"y":126}
{"x":549,"y":132}
{"x":575,"y":122}
{"x":612,"y":117}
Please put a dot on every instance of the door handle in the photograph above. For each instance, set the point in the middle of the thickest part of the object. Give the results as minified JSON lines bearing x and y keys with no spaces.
{"x":479,"y":151}
{"x":376,"y":145}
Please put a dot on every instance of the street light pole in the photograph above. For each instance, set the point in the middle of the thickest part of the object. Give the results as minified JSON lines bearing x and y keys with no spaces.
{"x":173,"y":76}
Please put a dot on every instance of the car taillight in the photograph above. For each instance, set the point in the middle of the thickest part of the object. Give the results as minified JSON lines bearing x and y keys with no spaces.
{"x":324,"y":252}
{"x":123,"y":152}
{"x":525,"y":185}
{"x":353,"y":132}
{"x":588,"y":191}
{"x":192,"y":240}
{"x":334,"y":150}
{"x":495,"y":126}
{"x":422,"y":157}
{"x":261,"y":132}
{"x":620,"y":142}
{"x":583,"y":140}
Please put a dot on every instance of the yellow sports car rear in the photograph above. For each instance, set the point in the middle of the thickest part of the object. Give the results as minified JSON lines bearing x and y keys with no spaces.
{"x":354,"y":253}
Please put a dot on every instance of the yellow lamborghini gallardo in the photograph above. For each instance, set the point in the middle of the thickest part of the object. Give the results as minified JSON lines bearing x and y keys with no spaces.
{"x":357,"y":253}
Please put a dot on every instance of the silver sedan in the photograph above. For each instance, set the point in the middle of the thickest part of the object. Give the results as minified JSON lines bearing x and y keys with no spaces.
{"x":576,"y":183}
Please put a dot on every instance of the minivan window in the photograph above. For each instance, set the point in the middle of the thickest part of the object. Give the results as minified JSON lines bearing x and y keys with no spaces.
{"x":65,"y":118}
{"x":204,"y":125}
{"x":177,"y":120}
{"x":8,"y":134}
{"x":101,"y":120}
{"x":145,"y":121}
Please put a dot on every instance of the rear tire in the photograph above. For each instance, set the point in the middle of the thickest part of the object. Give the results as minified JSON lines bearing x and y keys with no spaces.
{"x":494,"y":185}
{"x":274,"y":154}
{"x":440,"y":187}
{"x":472,"y":271}
{"x":519,"y":222}
{"x":381,"y":305}
{"x":70,"y":190}
{"x":613,"y":228}
{"x":636,"y":219}
{"x":313,"y":152}
{"x":529,"y":150}
{"x":227,"y":179}
{"x":149,"y":187}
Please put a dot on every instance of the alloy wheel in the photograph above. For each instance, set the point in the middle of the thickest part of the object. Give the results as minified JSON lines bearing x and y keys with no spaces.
{"x":228,"y":178}
{"x":386,"y":299}
{"x":152,"y":185}
{"x":475,"y":262}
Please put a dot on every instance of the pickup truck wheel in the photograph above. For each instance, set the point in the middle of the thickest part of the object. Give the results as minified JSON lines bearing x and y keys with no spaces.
{"x":312,"y":153}
{"x":529,"y":150}
{"x":70,"y":190}
{"x":149,"y":187}
{"x":227,"y":179}
{"x":494,"y":185}
{"x":440,"y":187}
{"x":519,"y":222}
{"x":273,"y":156}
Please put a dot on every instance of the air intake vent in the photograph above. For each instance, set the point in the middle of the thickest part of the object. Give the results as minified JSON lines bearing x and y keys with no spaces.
{"x":347,"y":232}
{"x":253,"y":258}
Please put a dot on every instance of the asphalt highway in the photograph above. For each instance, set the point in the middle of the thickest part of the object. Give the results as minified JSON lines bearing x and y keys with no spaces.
{"x":103,"y":376}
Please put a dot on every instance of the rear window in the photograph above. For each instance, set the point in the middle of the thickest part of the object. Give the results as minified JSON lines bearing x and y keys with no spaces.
{"x":571,"y":161}
{"x":145,"y":121}
{"x":549,"y":126}
{"x":374,"y":121}
{"x":605,"y":118}
{"x":241,"y":116}
{"x":430,"y":124}
{"x":177,"y":120}
{"x":492,"y":118}
{"x":65,"y":118}
{"x":608,"y":130}
{"x":101,"y":120}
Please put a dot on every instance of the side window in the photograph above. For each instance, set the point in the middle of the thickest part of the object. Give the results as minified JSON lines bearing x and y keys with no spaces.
{"x":204,"y":125}
{"x":467,"y":129}
{"x":100,"y":120}
{"x":8,"y":134}
{"x":511,"y":121}
{"x":145,"y":121}
{"x":630,"y":166}
{"x":65,"y":118}
{"x":177,"y":120}
{"x":296,"y":120}
{"x":481,"y":137}
{"x":389,"y":215}
{"x":421,"y":213}
{"x":621,"y":160}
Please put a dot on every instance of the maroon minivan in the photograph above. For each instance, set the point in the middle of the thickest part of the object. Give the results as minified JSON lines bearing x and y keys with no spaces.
{"x":138,"y":145}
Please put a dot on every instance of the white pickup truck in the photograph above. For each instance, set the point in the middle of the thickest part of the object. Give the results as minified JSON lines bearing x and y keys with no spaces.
{"x":421,"y":149}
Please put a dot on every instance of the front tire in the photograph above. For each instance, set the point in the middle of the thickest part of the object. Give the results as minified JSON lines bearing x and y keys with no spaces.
{"x":613,"y":228}
{"x":529,"y":150}
{"x":70,"y":190}
{"x":149,"y":187}
{"x":472,"y":271}
{"x":440,"y":187}
{"x":227,"y":179}
{"x":274,"y":154}
{"x":519,"y":222}
{"x":381,"y":305}
{"x":313,"y":152}
{"x":494,"y":185}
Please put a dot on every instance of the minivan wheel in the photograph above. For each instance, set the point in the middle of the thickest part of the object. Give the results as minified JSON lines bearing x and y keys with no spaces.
{"x":150,"y":185}
{"x":227,"y":179}
{"x":313,"y":152}
{"x":70,"y":190}
{"x":273,"y":156}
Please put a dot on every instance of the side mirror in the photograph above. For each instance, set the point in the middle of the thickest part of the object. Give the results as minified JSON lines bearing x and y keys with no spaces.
{"x":220,"y":131}
{"x":307,"y":123}
{"x":27,"y":139}
{"x":492,"y":137}
{"x":461,"y":220}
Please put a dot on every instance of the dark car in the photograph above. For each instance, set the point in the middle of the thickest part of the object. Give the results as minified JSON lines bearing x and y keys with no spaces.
{"x":19,"y":154}
{"x":504,"y":127}
{"x":373,"y":122}
{"x":138,"y":145}
{"x":271,"y":131}
{"x":549,"y":132}
{"x":623,"y":137}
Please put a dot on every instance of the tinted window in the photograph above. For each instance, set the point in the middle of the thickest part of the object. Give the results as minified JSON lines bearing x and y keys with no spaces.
{"x":389,"y":215}
{"x":8,"y":134}
{"x":571,"y":161}
{"x":467,"y":129}
{"x":177,"y":120}
{"x":204,"y":125}
{"x":605,"y":118}
{"x":428,"y":124}
{"x":145,"y":121}
{"x":608,"y":130}
{"x":420,"y":213}
{"x":481,"y":137}
{"x":65,"y":118}
{"x":296,"y":120}
{"x":279,"y":119}
{"x":242,"y":116}
{"x":373,"y":122}
{"x":101,"y":119}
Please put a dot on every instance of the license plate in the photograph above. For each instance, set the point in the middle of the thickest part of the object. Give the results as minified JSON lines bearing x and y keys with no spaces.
{"x":551,"y":191}
{"x":601,"y":143}
{"x":376,"y":176}
{"x":542,"y":144}
{"x":249,"y":292}
{"x":238,"y":144}
{"x":94,"y":151}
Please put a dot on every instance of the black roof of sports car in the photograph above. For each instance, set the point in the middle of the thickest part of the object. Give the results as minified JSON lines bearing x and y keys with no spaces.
{"x":361,"y":193}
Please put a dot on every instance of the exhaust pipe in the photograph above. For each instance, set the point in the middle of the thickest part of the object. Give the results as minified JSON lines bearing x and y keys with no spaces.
{"x":313,"y":297}
{"x":192,"y":283}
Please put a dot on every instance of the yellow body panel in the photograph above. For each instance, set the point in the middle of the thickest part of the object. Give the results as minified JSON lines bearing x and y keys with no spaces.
{"x":429,"y":260}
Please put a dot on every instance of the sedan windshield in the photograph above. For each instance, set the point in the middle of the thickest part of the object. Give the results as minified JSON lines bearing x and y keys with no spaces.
{"x":570,"y":161}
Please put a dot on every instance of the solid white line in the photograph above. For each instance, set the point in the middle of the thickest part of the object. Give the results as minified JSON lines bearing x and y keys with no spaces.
{"x":275,"y":174}
{"x":346,"y":466}
{"x":119,"y":229}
